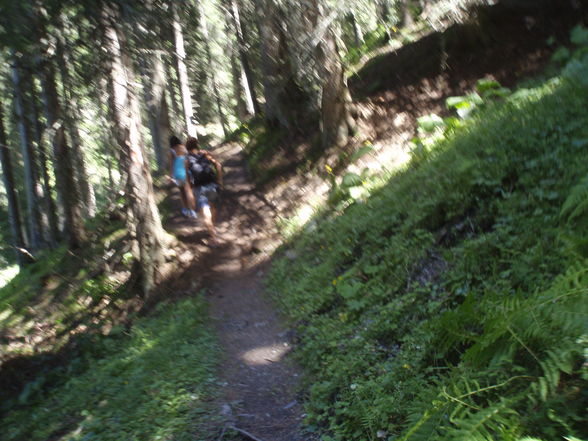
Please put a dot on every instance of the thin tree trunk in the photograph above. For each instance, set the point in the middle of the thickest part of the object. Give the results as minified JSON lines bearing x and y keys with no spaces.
{"x":63,"y":163}
{"x":157,"y":110}
{"x":151,"y":238}
{"x":357,"y":33}
{"x":109,"y":152}
{"x":22,"y":256}
{"x":183,"y":75}
{"x":249,"y":78}
{"x":244,"y":105}
{"x":86,"y":190}
{"x":52,"y":224}
{"x":31,"y":190}
{"x":172,"y":88}
{"x":211,"y":69}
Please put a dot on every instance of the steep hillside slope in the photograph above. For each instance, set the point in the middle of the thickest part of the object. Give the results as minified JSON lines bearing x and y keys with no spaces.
{"x":451,"y":304}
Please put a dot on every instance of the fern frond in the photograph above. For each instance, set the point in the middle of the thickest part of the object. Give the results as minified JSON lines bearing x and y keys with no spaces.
{"x":485,"y":424}
{"x":576,"y":204}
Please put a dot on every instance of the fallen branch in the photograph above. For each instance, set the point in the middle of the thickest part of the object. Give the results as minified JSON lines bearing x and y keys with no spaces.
{"x":244,"y":432}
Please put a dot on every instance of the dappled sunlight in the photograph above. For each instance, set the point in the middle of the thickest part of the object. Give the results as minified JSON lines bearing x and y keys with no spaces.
{"x":7,"y":274}
{"x":265,"y":355}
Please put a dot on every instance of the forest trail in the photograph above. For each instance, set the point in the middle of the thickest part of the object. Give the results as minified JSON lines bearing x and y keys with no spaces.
{"x":259,"y":380}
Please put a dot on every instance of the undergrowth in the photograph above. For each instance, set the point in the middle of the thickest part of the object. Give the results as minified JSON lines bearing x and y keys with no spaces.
{"x":452,"y":304}
{"x":150,"y":383}
{"x":81,"y":361}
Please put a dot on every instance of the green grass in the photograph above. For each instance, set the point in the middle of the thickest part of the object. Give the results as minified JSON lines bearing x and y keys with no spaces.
{"x":103,"y":373}
{"x":452,"y":304}
{"x":150,"y":383}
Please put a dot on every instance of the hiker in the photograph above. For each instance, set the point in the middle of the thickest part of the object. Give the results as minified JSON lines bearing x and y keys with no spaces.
{"x":178,"y":174}
{"x":206,"y":176}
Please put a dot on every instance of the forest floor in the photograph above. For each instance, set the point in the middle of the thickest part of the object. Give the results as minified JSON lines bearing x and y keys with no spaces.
{"x":259,"y":379}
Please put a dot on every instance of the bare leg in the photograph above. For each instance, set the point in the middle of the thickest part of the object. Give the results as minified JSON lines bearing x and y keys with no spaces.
{"x":189,"y":196}
{"x":183,"y":196}
{"x":207,"y":215}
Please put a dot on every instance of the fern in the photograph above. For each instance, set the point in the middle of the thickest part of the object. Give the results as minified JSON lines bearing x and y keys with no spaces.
{"x":538,"y":335}
{"x":485,"y":424}
{"x":576,"y":204}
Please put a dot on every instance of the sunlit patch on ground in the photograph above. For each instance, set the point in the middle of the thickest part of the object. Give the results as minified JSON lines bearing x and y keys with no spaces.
{"x":266,"y":354}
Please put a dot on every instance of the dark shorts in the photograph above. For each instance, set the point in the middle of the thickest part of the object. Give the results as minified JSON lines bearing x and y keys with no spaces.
{"x":205,"y":194}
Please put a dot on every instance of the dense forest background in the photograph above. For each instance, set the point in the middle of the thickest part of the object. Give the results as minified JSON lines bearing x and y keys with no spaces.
{"x":425,"y":164}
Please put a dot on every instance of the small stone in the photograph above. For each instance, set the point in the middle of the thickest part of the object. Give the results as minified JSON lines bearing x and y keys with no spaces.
{"x":291,"y":254}
{"x":226,"y":410}
{"x":290,"y":405}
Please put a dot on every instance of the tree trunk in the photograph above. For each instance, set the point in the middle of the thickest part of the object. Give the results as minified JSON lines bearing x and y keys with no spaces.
{"x":31,"y":190}
{"x":357,"y":33}
{"x":86,"y":190}
{"x":383,"y":10}
{"x":22,"y":256}
{"x":283,"y":97}
{"x":151,"y":238}
{"x":157,"y":110}
{"x":109,"y":151}
{"x":211,"y":69}
{"x":244,"y":105}
{"x":337,"y":125}
{"x":189,"y":116}
{"x":406,"y":19}
{"x":52,"y":224}
{"x":63,"y":163}
{"x":172,"y":88}
{"x":248,"y":75}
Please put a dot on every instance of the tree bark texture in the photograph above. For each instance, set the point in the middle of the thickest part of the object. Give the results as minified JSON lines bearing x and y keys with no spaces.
{"x":248,"y":78}
{"x":357,"y":33}
{"x":337,"y":125}
{"x":157,"y":110}
{"x":383,"y":9}
{"x":63,"y":163}
{"x":172,"y":89}
{"x":283,"y":96}
{"x":52,"y":227}
{"x":145,"y":219}
{"x":212,"y":70}
{"x":13,"y":209}
{"x":243,"y":103}
{"x":183,"y":75}
{"x":70,"y":109}
{"x":33,"y":196}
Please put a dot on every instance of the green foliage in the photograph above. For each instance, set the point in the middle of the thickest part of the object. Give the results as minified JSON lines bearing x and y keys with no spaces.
{"x":576,"y":204}
{"x":152,"y":382}
{"x":451,"y":304}
{"x":371,"y":40}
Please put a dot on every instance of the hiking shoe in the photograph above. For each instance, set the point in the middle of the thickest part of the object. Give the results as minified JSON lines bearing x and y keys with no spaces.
{"x":192,"y":214}
{"x":185,"y":212}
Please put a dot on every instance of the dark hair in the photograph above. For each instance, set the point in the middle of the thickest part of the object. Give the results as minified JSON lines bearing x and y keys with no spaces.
{"x":174,"y":140}
{"x":192,"y":143}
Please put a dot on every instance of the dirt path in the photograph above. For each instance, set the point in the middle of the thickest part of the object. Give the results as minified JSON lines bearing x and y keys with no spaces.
{"x":259,"y":378}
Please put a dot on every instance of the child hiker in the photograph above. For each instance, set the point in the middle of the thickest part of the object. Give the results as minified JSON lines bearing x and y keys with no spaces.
{"x":178,"y":174}
{"x":206,"y":176}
